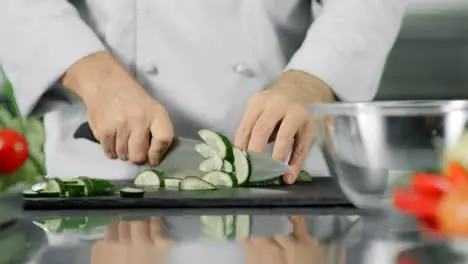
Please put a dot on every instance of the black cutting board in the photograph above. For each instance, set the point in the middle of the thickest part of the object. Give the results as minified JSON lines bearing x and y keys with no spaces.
{"x":321,"y":192}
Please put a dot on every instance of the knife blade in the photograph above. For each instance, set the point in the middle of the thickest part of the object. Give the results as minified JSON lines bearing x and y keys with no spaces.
{"x":182,"y":156}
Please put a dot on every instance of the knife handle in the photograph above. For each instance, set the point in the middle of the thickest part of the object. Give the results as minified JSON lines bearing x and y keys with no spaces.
{"x":84,"y":132}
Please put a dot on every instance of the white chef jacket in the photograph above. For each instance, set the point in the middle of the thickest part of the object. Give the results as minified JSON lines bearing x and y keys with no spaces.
{"x":202,"y":59}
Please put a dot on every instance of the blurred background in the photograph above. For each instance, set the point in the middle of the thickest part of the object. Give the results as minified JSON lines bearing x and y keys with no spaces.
{"x":430,"y":57}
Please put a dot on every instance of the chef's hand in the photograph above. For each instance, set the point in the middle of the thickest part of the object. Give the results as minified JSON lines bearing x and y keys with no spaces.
{"x":301,"y":248}
{"x":121,"y":113}
{"x":280,"y":112}
{"x":128,"y":242}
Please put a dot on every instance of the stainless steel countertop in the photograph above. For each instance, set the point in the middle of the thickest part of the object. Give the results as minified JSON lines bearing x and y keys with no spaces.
{"x":312,"y":236}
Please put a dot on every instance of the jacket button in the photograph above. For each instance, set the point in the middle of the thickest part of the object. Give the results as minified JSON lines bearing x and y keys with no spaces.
{"x":151,"y":69}
{"x":242,"y":69}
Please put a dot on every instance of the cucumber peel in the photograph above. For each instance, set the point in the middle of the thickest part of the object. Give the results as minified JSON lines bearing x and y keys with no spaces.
{"x":129,"y":192}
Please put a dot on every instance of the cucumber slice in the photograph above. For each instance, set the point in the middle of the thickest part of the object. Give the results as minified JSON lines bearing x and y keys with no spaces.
{"x":229,"y":222}
{"x":243,"y":227}
{"x":172,"y":183}
{"x":227,"y":166}
{"x":102,"y":187}
{"x":270,"y":182}
{"x":132,"y":193}
{"x":149,"y":178}
{"x":214,"y":163}
{"x":74,"y":190}
{"x":241,"y":165}
{"x":218,"y":142}
{"x":304,"y":176}
{"x":195,"y":184}
{"x":54,"y":225}
{"x":220,"y":179}
{"x":48,"y":194}
{"x":70,"y":182}
{"x":213,"y":227}
{"x":205,"y":150}
{"x":54,"y":185}
{"x":95,"y":187}
{"x":87,"y":185}
{"x":30,"y":194}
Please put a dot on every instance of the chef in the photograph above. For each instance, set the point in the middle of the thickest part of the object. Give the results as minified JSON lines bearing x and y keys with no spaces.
{"x":245,"y":68}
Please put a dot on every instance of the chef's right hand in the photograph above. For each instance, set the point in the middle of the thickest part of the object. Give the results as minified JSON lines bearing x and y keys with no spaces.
{"x":121,"y":113}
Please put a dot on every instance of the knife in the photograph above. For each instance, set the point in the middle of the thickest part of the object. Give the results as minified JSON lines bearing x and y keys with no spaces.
{"x":182,"y":156}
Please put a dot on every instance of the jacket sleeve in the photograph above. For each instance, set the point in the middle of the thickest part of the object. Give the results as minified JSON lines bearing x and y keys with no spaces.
{"x":40,"y":40}
{"x":348,"y":44}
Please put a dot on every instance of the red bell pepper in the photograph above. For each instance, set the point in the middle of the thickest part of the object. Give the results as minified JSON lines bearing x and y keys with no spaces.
{"x":414,"y":203}
{"x":431,"y":184}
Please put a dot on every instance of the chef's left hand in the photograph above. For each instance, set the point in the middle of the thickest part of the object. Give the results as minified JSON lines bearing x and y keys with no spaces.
{"x":279,"y":113}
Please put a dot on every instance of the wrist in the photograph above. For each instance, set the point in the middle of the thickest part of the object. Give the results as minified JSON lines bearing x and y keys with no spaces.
{"x":85,"y":77}
{"x":304,"y":87}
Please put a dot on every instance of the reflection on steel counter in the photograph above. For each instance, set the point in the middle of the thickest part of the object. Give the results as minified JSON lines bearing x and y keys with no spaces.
{"x":190,"y":239}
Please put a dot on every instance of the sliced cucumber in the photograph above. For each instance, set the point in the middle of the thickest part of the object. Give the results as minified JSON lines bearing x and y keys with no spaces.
{"x":54,"y":225}
{"x":74,"y":190}
{"x":195,"y":184}
{"x":149,"y":178}
{"x":213,"y":227}
{"x":229,"y":227}
{"x":70,"y":182}
{"x":205,"y":150}
{"x":227,"y":166}
{"x":96,"y":187}
{"x":304,"y":176}
{"x":243,"y":227}
{"x":241,"y":165}
{"x":30,"y":194}
{"x":211,"y":164}
{"x":172,"y":183}
{"x":87,"y":185}
{"x":54,"y":185}
{"x":218,"y":142}
{"x":132,"y":193}
{"x":270,"y":182}
{"x":220,"y":178}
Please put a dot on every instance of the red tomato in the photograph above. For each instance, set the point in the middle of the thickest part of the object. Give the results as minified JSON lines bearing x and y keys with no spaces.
{"x":452,"y":212}
{"x":13,"y":151}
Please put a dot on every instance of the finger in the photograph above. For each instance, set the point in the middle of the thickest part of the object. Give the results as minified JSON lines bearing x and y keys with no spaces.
{"x":140,"y":232}
{"x":300,"y":230}
{"x":260,"y":241}
{"x":124,"y":232}
{"x":121,"y":142}
{"x":284,"y":240}
{"x":162,"y":133}
{"x":156,"y":228}
{"x":300,"y":149}
{"x":263,"y":129}
{"x":138,"y":144}
{"x":251,"y":115}
{"x":107,"y":139}
{"x":285,"y":136}
{"x":112,"y":232}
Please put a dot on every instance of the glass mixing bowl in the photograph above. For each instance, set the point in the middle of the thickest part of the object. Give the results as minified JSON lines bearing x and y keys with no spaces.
{"x":372,"y":147}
